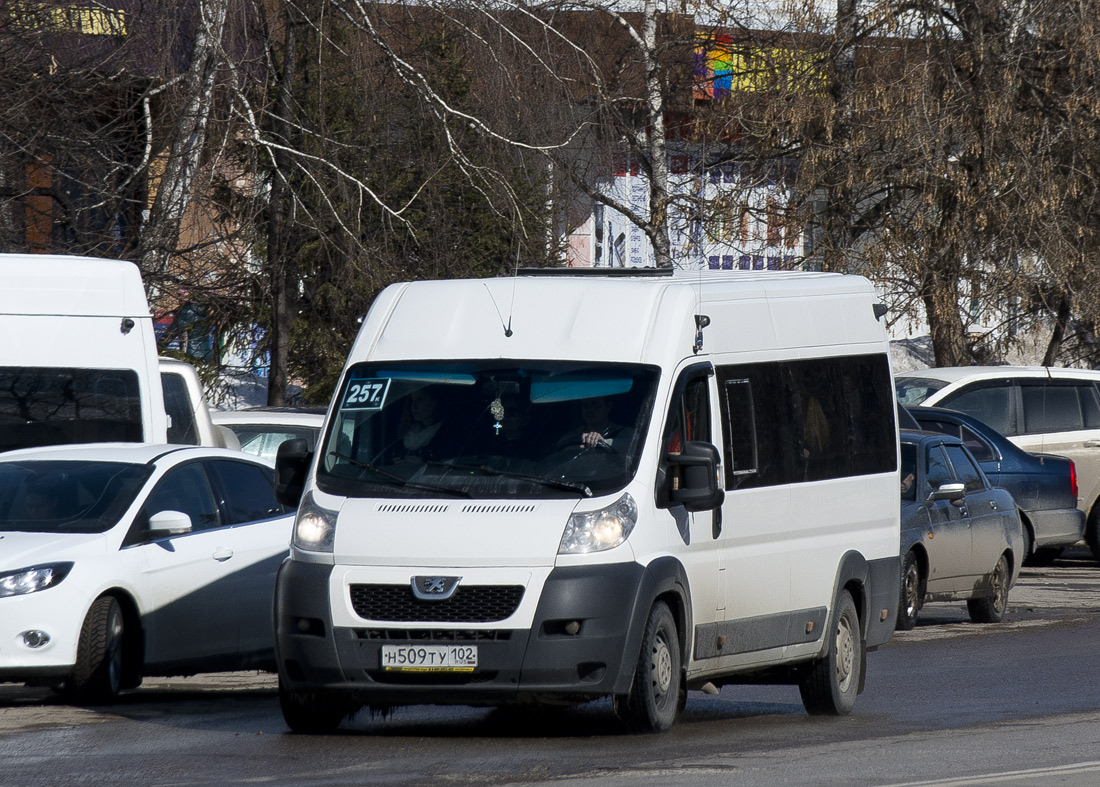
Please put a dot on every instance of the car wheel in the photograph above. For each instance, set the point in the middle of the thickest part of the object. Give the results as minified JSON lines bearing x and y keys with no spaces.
{"x":96,"y":678}
{"x":909,"y":603}
{"x":310,"y":712}
{"x":658,"y":692}
{"x":1092,"y":531}
{"x":831,"y":686}
{"x":991,"y":608}
{"x":1029,"y":546}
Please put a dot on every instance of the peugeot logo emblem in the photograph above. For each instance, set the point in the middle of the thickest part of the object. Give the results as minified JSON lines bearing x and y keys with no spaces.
{"x":435,"y":588}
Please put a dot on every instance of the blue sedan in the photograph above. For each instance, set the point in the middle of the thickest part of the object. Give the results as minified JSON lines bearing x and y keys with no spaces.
{"x":1044,"y":486}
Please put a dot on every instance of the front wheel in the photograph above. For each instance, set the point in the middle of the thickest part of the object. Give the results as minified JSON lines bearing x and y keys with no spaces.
{"x":96,"y":678}
{"x":909,"y":603}
{"x":832,"y":684}
{"x":309,"y":712}
{"x":991,"y":608}
{"x":657,"y":694}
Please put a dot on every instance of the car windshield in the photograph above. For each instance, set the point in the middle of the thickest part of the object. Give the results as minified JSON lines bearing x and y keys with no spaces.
{"x":67,"y":496}
{"x":911,"y":391}
{"x":487,"y":429}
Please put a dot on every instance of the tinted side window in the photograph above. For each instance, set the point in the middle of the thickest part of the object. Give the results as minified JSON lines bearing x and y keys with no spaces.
{"x":965,"y":469}
{"x":1090,"y":406}
{"x":793,"y":421}
{"x":992,"y":404}
{"x":246,"y":490}
{"x":1052,"y":408}
{"x":181,"y":426}
{"x":185,"y":488}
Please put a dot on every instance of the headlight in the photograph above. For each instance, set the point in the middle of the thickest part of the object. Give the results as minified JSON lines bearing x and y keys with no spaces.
{"x":314,"y":527}
{"x":595,"y":531}
{"x":33,"y":579}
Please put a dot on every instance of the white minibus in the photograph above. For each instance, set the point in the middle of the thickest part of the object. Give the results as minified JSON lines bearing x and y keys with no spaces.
{"x":627,"y":484}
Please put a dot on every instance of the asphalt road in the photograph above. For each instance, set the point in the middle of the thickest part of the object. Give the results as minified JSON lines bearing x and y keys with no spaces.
{"x":950,"y":703}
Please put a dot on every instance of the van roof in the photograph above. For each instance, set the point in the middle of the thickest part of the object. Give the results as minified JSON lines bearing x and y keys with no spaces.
{"x":44,"y":284}
{"x":617,"y":317}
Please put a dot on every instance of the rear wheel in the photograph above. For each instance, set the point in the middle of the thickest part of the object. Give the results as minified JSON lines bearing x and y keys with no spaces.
{"x":1092,"y":531}
{"x":309,"y":712}
{"x":991,"y":608}
{"x":96,"y":678}
{"x":832,"y":684}
{"x":909,"y":603}
{"x":658,"y":692}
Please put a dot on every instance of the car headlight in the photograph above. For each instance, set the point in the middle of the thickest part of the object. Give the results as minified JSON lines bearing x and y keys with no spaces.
{"x":314,"y":527}
{"x":32,"y":579}
{"x":595,"y":531}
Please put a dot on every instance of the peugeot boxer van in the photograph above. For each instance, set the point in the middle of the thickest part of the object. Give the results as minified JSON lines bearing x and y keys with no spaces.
{"x":558,"y":488}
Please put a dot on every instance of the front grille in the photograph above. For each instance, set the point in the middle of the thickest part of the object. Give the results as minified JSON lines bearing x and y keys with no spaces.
{"x":469,"y":604}
{"x":431,"y":635}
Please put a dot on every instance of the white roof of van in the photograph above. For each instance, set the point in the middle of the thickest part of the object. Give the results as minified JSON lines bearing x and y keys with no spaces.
{"x":43,"y":284}
{"x":618,"y":316}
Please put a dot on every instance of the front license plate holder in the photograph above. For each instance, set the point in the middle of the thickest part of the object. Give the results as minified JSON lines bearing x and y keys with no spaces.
{"x":429,"y":658}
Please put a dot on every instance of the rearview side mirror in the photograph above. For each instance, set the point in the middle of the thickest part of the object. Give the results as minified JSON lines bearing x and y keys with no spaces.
{"x":168,"y":523}
{"x":291,"y":468}
{"x":954,"y":492}
{"x":693,"y":477}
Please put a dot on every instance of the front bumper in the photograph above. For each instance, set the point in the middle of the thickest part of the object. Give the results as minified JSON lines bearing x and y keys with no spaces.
{"x":514,"y":664}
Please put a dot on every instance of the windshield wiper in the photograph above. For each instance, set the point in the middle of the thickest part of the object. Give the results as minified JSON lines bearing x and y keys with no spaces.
{"x":569,"y":486}
{"x":399,"y":480}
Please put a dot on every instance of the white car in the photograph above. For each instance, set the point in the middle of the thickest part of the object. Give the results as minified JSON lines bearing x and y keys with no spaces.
{"x":261,"y":430}
{"x":123,"y":560}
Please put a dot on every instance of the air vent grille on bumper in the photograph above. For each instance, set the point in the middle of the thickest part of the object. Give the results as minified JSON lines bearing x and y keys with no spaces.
{"x":469,"y":604}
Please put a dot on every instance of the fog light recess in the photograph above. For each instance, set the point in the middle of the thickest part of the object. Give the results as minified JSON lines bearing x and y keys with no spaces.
{"x":35,"y":638}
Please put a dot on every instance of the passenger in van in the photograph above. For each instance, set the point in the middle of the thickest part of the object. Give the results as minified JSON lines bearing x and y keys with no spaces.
{"x":421,"y":427}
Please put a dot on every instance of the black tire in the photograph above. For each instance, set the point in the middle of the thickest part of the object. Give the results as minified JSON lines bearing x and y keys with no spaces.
{"x":658,"y":693}
{"x":96,"y":678}
{"x":831,"y":686}
{"x":309,"y":712}
{"x":1029,"y":546}
{"x":1092,"y":531}
{"x":910,"y":600}
{"x":991,"y":608}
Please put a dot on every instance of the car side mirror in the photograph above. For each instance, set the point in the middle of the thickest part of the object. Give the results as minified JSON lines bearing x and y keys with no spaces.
{"x":168,"y":523}
{"x":693,"y":477}
{"x":291,"y":467}
{"x":954,"y":492}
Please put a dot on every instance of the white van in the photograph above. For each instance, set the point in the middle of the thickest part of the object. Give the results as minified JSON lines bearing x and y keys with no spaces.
{"x":564,"y":487}
{"x":78,"y":360}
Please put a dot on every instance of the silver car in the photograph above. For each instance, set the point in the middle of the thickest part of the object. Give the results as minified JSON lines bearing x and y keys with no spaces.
{"x":961,"y":538}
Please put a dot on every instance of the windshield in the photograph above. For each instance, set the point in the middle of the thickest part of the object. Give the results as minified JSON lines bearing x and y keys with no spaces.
{"x":67,"y":496}
{"x":487,"y":429}
{"x":911,"y":391}
{"x":45,"y":406}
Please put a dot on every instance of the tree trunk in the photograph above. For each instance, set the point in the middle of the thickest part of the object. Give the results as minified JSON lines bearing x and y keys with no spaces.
{"x":1058,"y":335}
{"x":656,"y":143}
{"x":160,"y":236}
{"x":945,"y":324}
{"x":283,"y":282}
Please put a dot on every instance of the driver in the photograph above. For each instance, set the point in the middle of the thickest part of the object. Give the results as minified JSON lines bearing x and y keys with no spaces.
{"x":597,"y":429}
